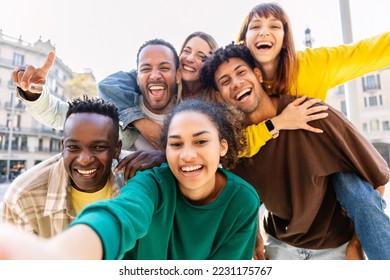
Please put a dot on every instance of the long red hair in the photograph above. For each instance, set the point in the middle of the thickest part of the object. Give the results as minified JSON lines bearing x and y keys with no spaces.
{"x":287,"y":68}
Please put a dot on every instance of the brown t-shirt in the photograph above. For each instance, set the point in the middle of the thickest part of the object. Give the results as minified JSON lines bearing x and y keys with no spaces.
{"x":291,"y":176}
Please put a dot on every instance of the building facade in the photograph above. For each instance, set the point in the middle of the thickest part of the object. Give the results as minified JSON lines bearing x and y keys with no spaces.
{"x":25,"y":142}
{"x":373,"y":92}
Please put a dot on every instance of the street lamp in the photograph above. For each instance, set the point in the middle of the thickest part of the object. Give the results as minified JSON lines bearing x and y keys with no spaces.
{"x":351,"y":96}
{"x":308,"y":40}
{"x":10,"y":136}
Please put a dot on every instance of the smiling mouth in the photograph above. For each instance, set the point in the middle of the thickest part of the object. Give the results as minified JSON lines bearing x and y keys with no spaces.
{"x":264,"y":45}
{"x":191,"y":168}
{"x":86,"y":172}
{"x":157,"y":90}
{"x":189,"y":69}
{"x":243,"y":94}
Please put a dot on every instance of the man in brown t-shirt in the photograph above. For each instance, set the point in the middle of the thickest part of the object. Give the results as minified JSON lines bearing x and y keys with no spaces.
{"x":292,"y":173}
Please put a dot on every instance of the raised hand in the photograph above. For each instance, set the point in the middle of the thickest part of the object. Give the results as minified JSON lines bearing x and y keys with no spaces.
{"x":32,"y":78}
{"x":298,"y":113}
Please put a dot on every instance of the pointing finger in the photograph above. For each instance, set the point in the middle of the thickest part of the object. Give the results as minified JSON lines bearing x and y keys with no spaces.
{"x":49,"y":62}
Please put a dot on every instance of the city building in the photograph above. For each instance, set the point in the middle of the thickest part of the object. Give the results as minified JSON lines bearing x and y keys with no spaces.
{"x":373,"y":92}
{"x":372,"y":115}
{"x":25,"y":142}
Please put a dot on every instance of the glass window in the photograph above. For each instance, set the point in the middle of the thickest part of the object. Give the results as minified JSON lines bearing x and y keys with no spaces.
{"x":18,"y":59}
{"x":372,"y":100}
{"x":386,"y":125}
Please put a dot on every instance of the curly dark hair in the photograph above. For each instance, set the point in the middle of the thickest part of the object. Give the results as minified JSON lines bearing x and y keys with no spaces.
{"x":94,"y":105}
{"x":162,"y":43}
{"x":218,"y":57}
{"x":226,"y":119}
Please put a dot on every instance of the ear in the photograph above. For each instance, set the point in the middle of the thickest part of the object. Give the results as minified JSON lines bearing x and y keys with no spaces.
{"x":178,"y":76}
{"x":224,"y":147}
{"x":62,"y":145}
{"x":258,"y":74}
{"x":137,"y":79}
{"x":118,"y":149}
{"x":219,"y":98}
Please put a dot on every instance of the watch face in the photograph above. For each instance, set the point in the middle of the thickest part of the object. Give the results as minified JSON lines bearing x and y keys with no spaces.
{"x":270,"y":126}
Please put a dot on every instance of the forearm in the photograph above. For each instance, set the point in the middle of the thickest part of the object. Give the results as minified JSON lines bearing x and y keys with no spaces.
{"x":256,"y":136}
{"x":80,"y":242}
{"x":46,"y":109}
{"x":121,"y":89}
{"x":354,"y":249}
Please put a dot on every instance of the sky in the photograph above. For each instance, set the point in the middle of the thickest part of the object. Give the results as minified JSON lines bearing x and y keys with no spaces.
{"x":105,"y":35}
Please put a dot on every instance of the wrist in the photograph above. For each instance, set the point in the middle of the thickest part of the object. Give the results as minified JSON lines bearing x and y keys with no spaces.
{"x":27,"y":95}
{"x":272,"y":129}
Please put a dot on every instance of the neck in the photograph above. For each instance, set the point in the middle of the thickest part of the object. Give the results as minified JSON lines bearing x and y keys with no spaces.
{"x":268,"y":70}
{"x":267,"y":109}
{"x":206,"y":197}
{"x":191,"y":89}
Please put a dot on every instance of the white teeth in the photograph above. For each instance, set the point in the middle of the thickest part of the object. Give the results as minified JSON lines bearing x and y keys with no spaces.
{"x":156,"y":88}
{"x":86,"y":172}
{"x":238,"y":96}
{"x":266,"y":44}
{"x":191,"y":168}
{"x":185,"y":67}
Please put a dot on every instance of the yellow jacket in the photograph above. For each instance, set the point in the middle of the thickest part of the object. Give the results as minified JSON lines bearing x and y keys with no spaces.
{"x":321,"y":69}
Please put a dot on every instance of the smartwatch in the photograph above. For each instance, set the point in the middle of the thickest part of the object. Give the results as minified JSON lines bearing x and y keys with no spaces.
{"x":271,"y":128}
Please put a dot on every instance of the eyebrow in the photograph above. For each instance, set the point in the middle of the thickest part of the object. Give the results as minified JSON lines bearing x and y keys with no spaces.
{"x":198,"y":52}
{"x":170,"y":63}
{"x":97,"y":141}
{"x":235,"y":69}
{"x":193,"y":135}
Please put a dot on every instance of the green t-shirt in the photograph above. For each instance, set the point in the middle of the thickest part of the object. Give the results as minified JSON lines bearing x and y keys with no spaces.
{"x":150,"y":219}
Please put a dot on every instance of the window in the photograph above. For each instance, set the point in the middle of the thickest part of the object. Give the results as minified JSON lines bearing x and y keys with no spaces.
{"x":341,"y":89}
{"x":372,"y":101}
{"x":386,"y":125}
{"x":40,"y":145}
{"x":365,"y":128}
{"x":371,"y":82}
{"x":343,"y":106}
{"x":23,"y":144}
{"x":374,"y":125}
{"x":18,"y":59}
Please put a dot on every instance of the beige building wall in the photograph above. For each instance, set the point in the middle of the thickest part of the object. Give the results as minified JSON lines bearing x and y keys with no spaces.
{"x":374,"y":107}
{"x":32,"y":142}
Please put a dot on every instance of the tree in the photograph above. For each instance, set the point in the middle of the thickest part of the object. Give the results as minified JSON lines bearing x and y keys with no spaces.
{"x":82,"y":83}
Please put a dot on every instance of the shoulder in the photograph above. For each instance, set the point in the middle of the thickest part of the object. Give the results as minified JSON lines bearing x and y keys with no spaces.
{"x":242,"y":188}
{"x":37,"y":176}
{"x":120,"y":77}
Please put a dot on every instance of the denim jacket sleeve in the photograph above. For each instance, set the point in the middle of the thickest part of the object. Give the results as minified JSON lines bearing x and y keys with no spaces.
{"x":47,"y":109}
{"x":121,"y":89}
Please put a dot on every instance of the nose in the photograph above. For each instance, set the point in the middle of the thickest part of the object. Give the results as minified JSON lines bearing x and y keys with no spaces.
{"x":264,"y":31}
{"x":236,"y":82}
{"x":190,"y":57}
{"x":85,"y":157}
{"x":155,"y":74}
{"x":188,"y":154}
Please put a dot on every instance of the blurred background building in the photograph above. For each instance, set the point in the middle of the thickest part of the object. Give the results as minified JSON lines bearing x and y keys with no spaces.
{"x":25,"y":142}
{"x":373,"y":104}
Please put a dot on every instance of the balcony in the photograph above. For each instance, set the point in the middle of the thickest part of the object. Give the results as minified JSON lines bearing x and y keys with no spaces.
{"x":32,"y":131}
